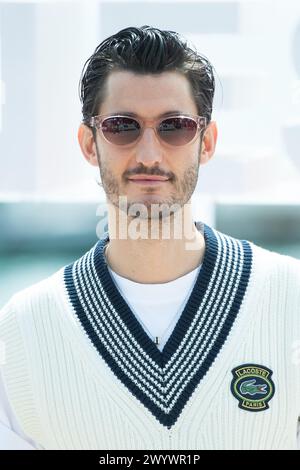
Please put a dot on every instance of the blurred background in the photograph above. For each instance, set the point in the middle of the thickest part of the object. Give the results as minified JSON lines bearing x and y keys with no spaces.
{"x":50,"y":203}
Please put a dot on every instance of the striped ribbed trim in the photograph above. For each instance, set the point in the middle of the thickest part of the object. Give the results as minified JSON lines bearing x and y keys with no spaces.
{"x":162,"y":380}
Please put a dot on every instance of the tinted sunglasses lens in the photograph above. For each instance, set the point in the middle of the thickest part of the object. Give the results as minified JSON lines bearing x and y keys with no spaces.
{"x":120,"y":130}
{"x":177,"y":130}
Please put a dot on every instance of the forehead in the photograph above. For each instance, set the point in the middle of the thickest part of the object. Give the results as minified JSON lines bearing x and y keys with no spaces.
{"x":149,"y":95}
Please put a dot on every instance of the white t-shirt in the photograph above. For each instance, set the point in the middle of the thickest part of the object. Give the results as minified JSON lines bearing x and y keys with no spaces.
{"x":157,"y":306}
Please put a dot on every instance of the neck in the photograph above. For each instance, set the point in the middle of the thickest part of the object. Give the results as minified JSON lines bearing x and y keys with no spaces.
{"x":160,"y":256}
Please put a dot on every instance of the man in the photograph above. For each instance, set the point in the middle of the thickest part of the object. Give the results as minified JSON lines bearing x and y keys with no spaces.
{"x":153,"y":341}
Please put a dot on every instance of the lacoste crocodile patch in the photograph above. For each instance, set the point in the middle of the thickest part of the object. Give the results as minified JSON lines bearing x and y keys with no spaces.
{"x":252,"y":386}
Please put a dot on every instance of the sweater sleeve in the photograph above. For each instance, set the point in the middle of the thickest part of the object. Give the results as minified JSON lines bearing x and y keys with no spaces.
{"x":12,"y":436}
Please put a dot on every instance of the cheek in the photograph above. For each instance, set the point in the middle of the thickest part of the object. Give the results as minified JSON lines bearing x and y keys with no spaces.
{"x":113,"y":161}
{"x":120,"y":164}
{"x":187,"y":159}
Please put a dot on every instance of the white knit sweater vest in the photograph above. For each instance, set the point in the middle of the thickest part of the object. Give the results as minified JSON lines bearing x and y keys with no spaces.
{"x":81,"y":373}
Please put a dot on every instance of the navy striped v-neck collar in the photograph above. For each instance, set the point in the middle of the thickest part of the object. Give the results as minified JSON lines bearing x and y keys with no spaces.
{"x":163,"y":381}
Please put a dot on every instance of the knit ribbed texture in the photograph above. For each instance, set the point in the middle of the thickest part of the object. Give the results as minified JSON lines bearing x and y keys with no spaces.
{"x":68,"y":395}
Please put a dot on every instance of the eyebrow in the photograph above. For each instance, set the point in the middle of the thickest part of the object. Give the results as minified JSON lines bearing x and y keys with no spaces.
{"x":167,"y":113}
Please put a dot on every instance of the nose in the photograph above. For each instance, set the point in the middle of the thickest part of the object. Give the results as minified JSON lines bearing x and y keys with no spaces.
{"x":149,"y":149}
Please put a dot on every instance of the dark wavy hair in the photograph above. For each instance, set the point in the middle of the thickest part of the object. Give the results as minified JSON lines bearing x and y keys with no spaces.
{"x":145,"y":50}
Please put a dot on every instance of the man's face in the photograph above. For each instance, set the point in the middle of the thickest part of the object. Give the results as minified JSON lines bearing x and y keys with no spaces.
{"x":148,"y":96}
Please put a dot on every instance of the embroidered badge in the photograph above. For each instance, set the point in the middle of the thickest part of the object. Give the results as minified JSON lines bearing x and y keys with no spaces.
{"x":252,"y":386}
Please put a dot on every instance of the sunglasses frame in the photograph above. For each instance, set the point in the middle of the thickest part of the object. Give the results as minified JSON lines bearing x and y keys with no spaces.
{"x":96,"y":121}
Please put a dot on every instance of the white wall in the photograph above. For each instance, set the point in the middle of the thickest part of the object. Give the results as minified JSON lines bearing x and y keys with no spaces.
{"x":252,"y":45}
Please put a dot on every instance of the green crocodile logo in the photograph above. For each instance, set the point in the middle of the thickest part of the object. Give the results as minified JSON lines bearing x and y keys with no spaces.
{"x":250,"y":387}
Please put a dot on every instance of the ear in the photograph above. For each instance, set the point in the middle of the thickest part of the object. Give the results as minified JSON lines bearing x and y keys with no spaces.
{"x":87,"y":144}
{"x":209,"y":141}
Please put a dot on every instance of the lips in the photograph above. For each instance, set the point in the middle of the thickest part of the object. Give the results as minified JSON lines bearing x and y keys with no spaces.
{"x":149,"y":182}
{"x":148,"y":178}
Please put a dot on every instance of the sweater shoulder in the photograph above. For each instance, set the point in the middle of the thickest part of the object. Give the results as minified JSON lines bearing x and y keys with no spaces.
{"x":275,"y":258}
{"x":35,"y":295}
{"x":271,"y":259}
{"x":281,"y":272}
{"x":40,"y":296}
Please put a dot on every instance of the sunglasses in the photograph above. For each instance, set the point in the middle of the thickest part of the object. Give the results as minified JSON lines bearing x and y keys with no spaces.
{"x":174,"y":130}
